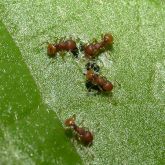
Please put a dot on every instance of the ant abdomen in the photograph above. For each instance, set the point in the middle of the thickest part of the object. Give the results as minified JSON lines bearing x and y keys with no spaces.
{"x":107,"y":86}
{"x":87,"y":138}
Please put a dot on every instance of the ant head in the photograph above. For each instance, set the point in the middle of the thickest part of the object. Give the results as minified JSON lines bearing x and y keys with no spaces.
{"x":89,"y":74}
{"x":108,"y":39}
{"x":70,"y":121}
{"x":51,"y":50}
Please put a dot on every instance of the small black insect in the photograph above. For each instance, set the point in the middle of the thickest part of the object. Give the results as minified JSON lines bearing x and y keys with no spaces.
{"x":90,"y":86}
{"x":92,"y":65}
{"x":75,"y":52}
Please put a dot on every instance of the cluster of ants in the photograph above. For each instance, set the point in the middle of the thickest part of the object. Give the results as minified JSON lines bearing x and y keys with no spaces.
{"x":94,"y":81}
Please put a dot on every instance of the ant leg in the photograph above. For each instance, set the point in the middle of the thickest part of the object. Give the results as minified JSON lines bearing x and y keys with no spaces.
{"x":84,"y":59}
{"x":75,"y":52}
{"x":62,"y":39}
{"x":100,"y":89}
{"x":62,"y":54}
{"x":74,"y":117}
{"x":117,"y":84}
{"x":81,"y":123}
{"x":89,"y":90}
{"x":105,"y":78}
{"x":79,"y":81}
{"x":51,"y":62}
{"x":97,"y":127}
{"x":45,"y":42}
{"x":94,"y":41}
{"x":91,"y":93}
{"x":101,"y":63}
{"x":86,"y":128}
{"x":78,"y":39}
{"x":70,"y":37}
{"x":89,"y":152}
{"x":73,"y":139}
{"x":81,"y":46}
{"x":79,"y":66}
{"x":102,"y":35}
{"x":107,"y":55}
{"x":56,"y":40}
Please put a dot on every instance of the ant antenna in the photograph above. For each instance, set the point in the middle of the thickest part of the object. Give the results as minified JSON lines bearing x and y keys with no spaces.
{"x":50,"y":62}
{"x":56,"y":39}
{"x":45,"y":42}
{"x":74,"y":117}
{"x":117,"y":84}
{"x":94,"y":41}
{"x":78,"y":39}
{"x":62,"y":39}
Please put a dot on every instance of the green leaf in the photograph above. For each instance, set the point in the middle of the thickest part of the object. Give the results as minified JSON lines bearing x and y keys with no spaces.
{"x":30,"y":133}
{"x":129,"y":126}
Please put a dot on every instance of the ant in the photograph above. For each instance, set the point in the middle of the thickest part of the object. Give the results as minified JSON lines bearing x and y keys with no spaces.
{"x":97,"y":82}
{"x":92,"y":50}
{"x":68,"y":45}
{"x":85,"y":136}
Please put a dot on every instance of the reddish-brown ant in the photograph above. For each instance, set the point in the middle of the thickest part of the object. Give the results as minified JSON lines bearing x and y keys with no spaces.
{"x":85,"y":136}
{"x":97,"y":82}
{"x":68,"y":45}
{"x":92,"y":50}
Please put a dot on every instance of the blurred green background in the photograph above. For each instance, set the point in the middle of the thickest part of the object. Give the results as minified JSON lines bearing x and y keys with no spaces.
{"x":36,"y":96}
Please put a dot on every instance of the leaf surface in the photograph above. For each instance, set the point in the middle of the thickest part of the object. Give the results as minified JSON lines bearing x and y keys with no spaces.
{"x":129,"y":126}
{"x":30,"y":133}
